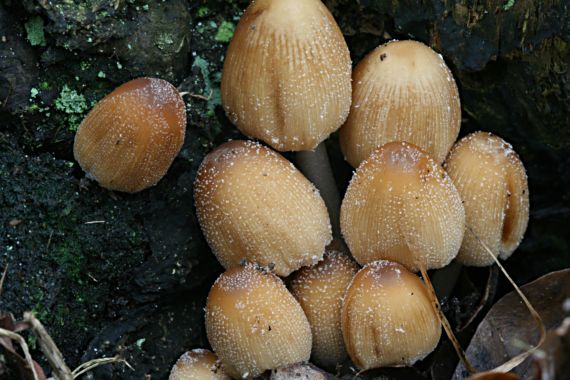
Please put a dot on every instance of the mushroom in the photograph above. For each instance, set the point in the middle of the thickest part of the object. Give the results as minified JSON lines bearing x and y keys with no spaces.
{"x":287,"y":74}
{"x":493,"y":185}
{"x":129,"y":139}
{"x":402,"y":91}
{"x":387,"y":317}
{"x":198,"y":364}
{"x":254,"y":323}
{"x":255,"y":205}
{"x":402,"y":206}
{"x":320,"y":290}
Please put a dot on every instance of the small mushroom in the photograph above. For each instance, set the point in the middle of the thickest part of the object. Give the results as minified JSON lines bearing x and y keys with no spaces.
{"x":254,"y":323}
{"x":402,"y":206}
{"x":198,"y":364}
{"x":255,"y":205}
{"x":129,"y":139}
{"x":493,"y":185}
{"x":320,"y":290}
{"x":287,"y":74}
{"x":388,"y":318}
{"x":402,"y":91}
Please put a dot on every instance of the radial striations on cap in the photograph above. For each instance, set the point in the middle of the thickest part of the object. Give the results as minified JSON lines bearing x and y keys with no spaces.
{"x":493,"y":184}
{"x":254,"y":323}
{"x":287,"y":74}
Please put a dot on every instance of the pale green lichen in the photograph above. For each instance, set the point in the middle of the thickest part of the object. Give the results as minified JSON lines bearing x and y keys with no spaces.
{"x":35,"y":31}
{"x":211,"y":92}
{"x":508,"y":5}
{"x":73,"y":104}
{"x":225,"y":32}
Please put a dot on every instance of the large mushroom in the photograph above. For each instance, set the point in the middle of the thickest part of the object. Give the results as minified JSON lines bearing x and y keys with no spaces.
{"x":254,"y":205}
{"x":387,"y":317}
{"x":254,"y":323}
{"x":493,"y":184}
{"x":287,"y":74}
{"x":402,"y":206}
{"x":129,"y":139}
{"x":402,"y":91}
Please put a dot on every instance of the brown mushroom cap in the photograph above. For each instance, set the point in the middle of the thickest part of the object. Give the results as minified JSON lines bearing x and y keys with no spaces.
{"x":254,"y":323}
{"x":129,"y":139}
{"x":493,"y":185}
{"x":255,"y":205}
{"x":387,"y":317}
{"x":402,"y":206}
{"x":198,"y":364}
{"x":287,"y":74}
{"x":320,"y":290}
{"x":402,"y":91}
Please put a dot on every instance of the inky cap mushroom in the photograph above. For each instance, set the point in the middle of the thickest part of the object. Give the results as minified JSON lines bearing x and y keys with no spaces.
{"x":320,"y":290}
{"x":254,"y":323}
{"x":287,"y":74}
{"x":402,"y":91}
{"x":493,"y":185}
{"x":130,"y":138}
{"x":198,"y":364}
{"x":388,"y":318}
{"x":402,"y":206}
{"x":255,"y":205}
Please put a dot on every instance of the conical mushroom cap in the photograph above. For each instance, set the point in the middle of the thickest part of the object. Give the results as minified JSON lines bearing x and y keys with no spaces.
{"x":255,"y":205}
{"x":402,"y":91}
{"x":198,"y":364}
{"x":129,"y":139}
{"x":320,"y":290}
{"x":388,"y":318}
{"x":402,"y":206}
{"x":254,"y":323}
{"x":287,"y":74}
{"x":493,"y":185}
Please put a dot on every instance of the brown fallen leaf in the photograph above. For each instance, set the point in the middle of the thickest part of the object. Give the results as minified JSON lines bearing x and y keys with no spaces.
{"x":508,"y":329}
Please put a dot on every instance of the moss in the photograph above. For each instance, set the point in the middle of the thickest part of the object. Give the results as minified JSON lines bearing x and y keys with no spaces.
{"x":508,"y":5}
{"x":225,"y":32}
{"x":35,"y":31}
{"x":203,"y":11}
{"x":164,"y":41}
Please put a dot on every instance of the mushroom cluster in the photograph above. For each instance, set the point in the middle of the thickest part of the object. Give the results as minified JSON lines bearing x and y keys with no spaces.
{"x":287,"y":81}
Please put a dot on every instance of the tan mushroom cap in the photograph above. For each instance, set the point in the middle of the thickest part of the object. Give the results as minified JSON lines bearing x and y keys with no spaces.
{"x":255,"y":205}
{"x":402,"y":206}
{"x":387,"y":317}
{"x":493,"y":184}
{"x":129,"y":139}
{"x":198,"y":364}
{"x":402,"y":91}
{"x":254,"y":323}
{"x":320,"y":290}
{"x":287,"y":74}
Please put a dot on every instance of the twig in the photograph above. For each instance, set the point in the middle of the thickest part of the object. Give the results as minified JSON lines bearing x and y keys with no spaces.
{"x":445,"y":322}
{"x":88,"y":366}
{"x":198,"y":96}
{"x":49,"y":348}
{"x":518,"y":359}
{"x":25,"y":349}
{"x":2,"y":279}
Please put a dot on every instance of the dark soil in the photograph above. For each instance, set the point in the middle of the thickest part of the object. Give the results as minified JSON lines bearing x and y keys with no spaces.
{"x":112,"y":273}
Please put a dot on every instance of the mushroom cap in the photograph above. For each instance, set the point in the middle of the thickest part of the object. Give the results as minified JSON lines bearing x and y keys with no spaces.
{"x":255,"y":205}
{"x":129,"y":139}
{"x":198,"y":364}
{"x":287,"y":74}
{"x":320,"y":290}
{"x":402,"y":206}
{"x":493,"y":184}
{"x":254,"y":323}
{"x":388,"y":318}
{"x":402,"y":91}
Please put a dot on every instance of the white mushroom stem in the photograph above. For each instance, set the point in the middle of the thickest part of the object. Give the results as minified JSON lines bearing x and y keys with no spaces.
{"x":315,"y":165}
